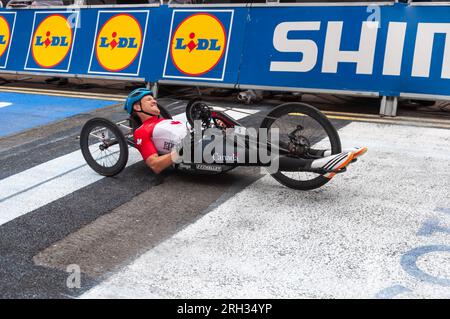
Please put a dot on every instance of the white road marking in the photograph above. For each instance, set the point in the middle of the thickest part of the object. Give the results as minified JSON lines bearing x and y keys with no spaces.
{"x":345,"y":240}
{"x":46,"y":183}
{"x":50,"y":181}
{"x":4,"y":104}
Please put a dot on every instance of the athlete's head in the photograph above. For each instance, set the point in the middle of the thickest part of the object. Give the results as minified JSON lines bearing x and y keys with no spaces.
{"x":142,"y":102}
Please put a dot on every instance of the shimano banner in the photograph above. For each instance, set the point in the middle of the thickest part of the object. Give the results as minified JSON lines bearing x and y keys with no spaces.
{"x":386,"y":49}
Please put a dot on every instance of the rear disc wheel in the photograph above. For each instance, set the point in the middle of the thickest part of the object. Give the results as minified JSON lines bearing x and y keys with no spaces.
{"x":317,"y":133}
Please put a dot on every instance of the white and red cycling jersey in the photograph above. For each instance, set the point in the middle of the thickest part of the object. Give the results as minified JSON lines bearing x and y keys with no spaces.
{"x":158,"y":136}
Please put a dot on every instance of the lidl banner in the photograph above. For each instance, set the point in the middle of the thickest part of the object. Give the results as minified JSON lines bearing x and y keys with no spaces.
{"x":119,"y":42}
{"x":385,"y":49}
{"x":51,"y":42}
{"x":198,"y":44}
{"x":7,"y":25}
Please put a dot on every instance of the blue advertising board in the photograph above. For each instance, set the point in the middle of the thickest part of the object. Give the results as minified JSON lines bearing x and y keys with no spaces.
{"x":386,"y":49}
{"x":198,"y":36}
{"x":7,"y":26}
{"x":398,"y":49}
{"x":51,"y":42}
{"x":117,"y":50}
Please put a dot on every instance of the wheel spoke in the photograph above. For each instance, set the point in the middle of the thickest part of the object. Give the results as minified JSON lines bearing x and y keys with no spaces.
{"x":312,"y":131}
{"x":107,"y":162}
{"x":98,"y":156}
{"x":111,"y":158}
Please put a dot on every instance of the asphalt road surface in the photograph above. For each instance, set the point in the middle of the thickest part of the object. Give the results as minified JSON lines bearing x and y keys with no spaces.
{"x":380,"y":230}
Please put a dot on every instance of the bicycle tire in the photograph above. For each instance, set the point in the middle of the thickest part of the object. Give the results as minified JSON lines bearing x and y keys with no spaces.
{"x":319,"y":117}
{"x":87,"y":129}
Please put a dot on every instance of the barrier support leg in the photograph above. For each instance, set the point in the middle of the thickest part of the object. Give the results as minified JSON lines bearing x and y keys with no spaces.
{"x":388,"y":106}
{"x":153,"y":87}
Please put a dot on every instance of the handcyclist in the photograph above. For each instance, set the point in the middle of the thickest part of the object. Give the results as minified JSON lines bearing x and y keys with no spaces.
{"x":156,"y":137}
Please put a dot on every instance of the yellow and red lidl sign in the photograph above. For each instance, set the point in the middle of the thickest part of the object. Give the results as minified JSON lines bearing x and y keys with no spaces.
{"x":5,"y":35}
{"x":198,"y":44}
{"x":119,"y":42}
{"x":7,"y":22}
{"x":52,"y":41}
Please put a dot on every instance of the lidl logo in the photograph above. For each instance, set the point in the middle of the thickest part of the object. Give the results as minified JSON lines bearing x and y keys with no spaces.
{"x":200,"y":37}
{"x":52,"y":42}
{"x":201,"y":45}
{"x":5,"y":35}
{"x":7,"y":22}
{"x":119,"y":42}
{"x":198,"y":44}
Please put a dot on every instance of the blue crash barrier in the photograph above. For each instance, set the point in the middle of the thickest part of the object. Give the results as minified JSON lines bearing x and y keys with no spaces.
{"x":386,"y":49}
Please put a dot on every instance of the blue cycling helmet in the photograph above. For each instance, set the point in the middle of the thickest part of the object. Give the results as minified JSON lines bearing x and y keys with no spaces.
{"x":135,"y":97}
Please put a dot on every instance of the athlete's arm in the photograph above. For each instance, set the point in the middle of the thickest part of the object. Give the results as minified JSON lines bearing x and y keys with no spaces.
{"x":159,"y":163}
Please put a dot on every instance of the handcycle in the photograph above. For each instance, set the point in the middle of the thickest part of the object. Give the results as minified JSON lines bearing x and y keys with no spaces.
{"x":303,"y":133}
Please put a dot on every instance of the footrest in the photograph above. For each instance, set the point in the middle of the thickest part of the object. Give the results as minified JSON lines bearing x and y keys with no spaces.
{"x":342,"y":170}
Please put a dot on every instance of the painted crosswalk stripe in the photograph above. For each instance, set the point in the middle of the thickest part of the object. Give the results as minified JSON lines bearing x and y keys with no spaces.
{"x":60,"y":182}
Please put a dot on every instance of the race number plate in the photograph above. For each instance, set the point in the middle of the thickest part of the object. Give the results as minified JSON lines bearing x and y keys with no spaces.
{"x":206,"y":167}
{"x":240,"y":130}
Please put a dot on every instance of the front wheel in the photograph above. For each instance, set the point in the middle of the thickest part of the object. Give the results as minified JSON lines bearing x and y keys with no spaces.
{"x":104,"y":146}
{"x":308,"y":131}
{"x":197,"y":110}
